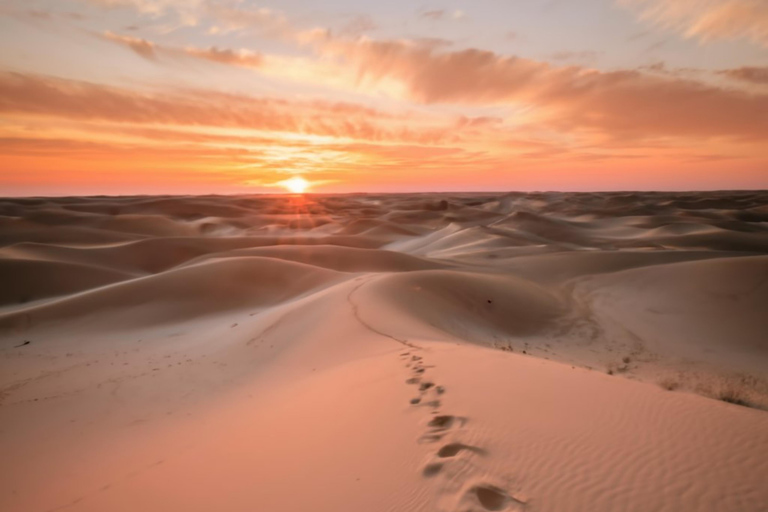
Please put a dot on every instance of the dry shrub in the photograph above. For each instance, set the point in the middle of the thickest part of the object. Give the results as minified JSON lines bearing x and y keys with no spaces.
{"x":732,"y":395}
{"x":669,"y":384}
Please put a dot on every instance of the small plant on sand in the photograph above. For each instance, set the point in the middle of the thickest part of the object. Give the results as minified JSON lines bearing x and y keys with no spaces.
{"x":614,"y":368}
{"x":669,"y":384}
{"x":736,"y":388}
{"x":731,"y":395}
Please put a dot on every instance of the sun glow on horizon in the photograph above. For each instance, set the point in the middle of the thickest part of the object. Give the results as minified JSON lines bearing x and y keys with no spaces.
{"x":296,"y":185}
{"x":265,"y":93}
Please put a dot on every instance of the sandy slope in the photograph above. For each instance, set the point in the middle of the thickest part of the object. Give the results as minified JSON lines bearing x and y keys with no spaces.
{"x":385,"y":353}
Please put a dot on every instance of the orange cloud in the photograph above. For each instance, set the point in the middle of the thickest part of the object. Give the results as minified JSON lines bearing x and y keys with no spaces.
{"x":749,"y":74}
{"x":233,"y":17}
{"x":225,"y":162}
{"x":622,"y":103}
{"x":33,"y":95}
{"x":708,"y":20}
{"x":625,"y":104}
{"x":242,"y":58}
{"x":142,"y":47}
{"x":150,"y":51}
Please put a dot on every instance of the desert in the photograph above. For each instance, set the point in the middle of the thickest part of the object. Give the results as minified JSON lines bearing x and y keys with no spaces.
{"x":385,"y":352}
{"x":383,"y":256}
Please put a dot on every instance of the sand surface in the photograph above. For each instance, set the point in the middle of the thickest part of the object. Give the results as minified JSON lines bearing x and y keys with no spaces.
{"x":446,"y":352}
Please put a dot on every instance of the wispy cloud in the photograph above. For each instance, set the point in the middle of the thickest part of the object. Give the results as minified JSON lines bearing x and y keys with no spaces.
{"x":188,"y":12}
{"x":228,"y":17}
{"x":34,"y":95}
{"x":142,"y":47}
{"x":749,"y":74}
{"x":443,"y":14}
{"x":576,"y":56}
{"x":625,"y":103}
{"x":708,"y":20}
{"x":223,"y":15}
{"x":243,"y":58}
{"x":653,"y":102}
{"x":150,"y":51}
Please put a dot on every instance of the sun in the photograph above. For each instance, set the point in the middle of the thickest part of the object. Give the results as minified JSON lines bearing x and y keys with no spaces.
{"x":296,"y":185}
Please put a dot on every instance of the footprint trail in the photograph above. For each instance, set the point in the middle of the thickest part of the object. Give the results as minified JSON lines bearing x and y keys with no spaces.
{"x":455,"y":465}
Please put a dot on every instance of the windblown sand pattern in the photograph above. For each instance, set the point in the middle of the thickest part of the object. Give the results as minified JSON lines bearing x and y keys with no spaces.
{"x":448,"y":352}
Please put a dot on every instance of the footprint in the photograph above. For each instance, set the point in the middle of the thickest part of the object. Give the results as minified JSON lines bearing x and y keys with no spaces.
{"x":413,"y":380}
{"x":415,"y":401}
{"x":491,"y":497}
{"x":445,"y":421}
{"x":430,"y":438}
{"x":432,"y":469}
{"x":425,"y":386}
{"x":441,"y":422}
{"x":450,"y":450}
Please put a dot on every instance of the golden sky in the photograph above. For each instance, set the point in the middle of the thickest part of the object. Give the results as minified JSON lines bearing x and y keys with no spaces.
{"x":197,"y":96}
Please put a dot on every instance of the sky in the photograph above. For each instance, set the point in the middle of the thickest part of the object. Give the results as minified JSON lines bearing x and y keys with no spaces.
{"x":217,"y":97}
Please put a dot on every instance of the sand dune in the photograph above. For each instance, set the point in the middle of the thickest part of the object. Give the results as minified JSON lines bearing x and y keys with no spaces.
{"x":713,"y":308}
{"x":469,"y":306}
{"x":444,"y":352}
{"x":188,"y":292}
{"x":26,"y":280}
{"x":341,"y":258}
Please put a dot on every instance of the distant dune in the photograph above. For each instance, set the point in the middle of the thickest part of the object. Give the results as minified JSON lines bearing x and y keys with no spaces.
{"x":420,"y":352}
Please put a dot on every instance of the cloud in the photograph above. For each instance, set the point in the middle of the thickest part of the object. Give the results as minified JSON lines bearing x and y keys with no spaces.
{"x":708,"y":20}
{"x":626,"y":103}
{"x":443,"y":14}
{"x":243,"y":58}
{"x":630,"y":104}
{"x":226,"y":15}
{"x":661,"y":68}
{"x":749,"y":74}
{"x":583,"y":56}
{"x":34,"y":95}
{"x":231,"y":17}
{"x":358,"y":25}
{"x":187,"y":11}
{"x":36,"y":15}
{"x":644,"y":103}
{"x":151,"y":51}
{"x":142,"y":47}
{"x":434,"y":15}
{"x":432,"y":76}
{"x":479,"y":121}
